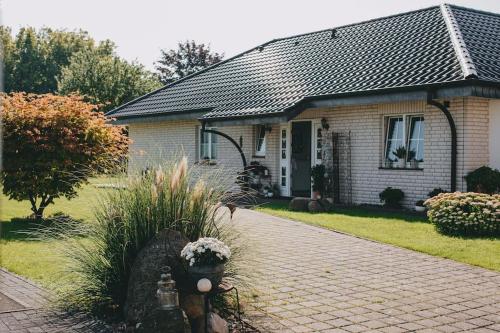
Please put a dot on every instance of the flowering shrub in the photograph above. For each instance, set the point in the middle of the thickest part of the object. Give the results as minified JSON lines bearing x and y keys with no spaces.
{"x":465,"y":213}
{"x":206,"y":251}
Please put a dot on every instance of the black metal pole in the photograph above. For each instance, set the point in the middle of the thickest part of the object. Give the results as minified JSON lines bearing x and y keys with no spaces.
{"x":207,"y":309}
{"x":453,"y":128}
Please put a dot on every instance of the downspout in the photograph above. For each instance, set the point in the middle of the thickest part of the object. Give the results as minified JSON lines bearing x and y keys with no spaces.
{"x":444,"y":108}
{"x":224,"y":135}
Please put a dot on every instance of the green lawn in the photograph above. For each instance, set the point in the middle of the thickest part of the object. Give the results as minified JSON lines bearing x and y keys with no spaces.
{"x":35,"y":259}
{"x":411,"y":232}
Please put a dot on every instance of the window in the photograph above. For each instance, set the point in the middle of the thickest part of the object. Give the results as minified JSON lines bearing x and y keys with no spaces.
{"x":283,"y":176}
{"x":406,"y":132}
{"x":395,"y":137}
{"x":284,"y":160}
{"x":416,"y":138}
{"x":283,"y":144}
{"x":260,"y":140}
{"x":319,"y":145}
{"x":208,"y":145}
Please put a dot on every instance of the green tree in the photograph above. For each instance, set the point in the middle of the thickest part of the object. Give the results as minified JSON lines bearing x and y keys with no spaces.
{"x":33,"y":59}
{"x":60,"y":46}
{"x":105,"y":79}
{"x":187,"y":59}
{"x":52,"y":145}
{"x":7,"y":50}
{"x":28,"y":73}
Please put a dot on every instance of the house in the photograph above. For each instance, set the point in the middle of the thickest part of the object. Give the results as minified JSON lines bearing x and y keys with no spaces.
{"x":426,"y":82}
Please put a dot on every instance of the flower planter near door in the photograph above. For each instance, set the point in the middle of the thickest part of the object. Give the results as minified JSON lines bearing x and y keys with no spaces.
{"x":206,"y":258}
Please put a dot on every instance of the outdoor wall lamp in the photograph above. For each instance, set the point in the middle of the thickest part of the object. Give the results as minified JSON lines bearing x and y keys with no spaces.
{"x":324,"y":124}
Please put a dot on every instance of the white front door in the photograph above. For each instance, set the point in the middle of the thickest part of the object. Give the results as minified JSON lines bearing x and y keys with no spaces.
{"x":284,"y":179}
{"x":285,"y":152}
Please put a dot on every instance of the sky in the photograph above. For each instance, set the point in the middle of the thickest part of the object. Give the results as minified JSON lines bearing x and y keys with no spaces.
{"x":141,"y":28}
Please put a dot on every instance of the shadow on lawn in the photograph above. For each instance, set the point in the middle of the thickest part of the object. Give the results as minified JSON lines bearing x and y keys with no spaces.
{"x":27,"y":229}
{"x":356,"y":211}
{"x":371,"y":212}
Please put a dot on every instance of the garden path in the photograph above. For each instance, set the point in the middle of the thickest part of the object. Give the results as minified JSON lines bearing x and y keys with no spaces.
{"x":310,"y":279}
{"x":22,"y":310}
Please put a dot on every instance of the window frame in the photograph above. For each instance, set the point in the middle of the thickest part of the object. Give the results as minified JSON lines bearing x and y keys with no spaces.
{"x":407,"y":117}
{"x":258,"y":129}
{"x":409,"y":136}
{"x":210,"y":142}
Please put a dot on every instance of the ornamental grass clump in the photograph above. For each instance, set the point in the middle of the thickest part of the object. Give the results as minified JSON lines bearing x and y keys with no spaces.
{"x":169,"y":197}
{"x":465,"y":214}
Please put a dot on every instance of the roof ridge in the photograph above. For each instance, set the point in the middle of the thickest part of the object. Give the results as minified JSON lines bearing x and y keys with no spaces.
{"x":473,"y":10}
{"x":461,"y":51}
{"x":356,"y":23}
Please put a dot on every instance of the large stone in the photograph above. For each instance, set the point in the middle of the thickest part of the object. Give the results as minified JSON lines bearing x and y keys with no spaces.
{"x":299,"y":204}
{"x":314,"y":206}
{"x":216,"y":324}
{"x":160,"y":255}
{"x":158,"y":321}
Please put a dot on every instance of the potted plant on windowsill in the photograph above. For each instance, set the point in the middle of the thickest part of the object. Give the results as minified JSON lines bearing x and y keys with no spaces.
{"x":318,"y":181}
{"x":411,"y":157}
{"x":419,"y":206}
{"x":400,"y":153}
{"x":206,"y":258}
{"x":388,"y":163}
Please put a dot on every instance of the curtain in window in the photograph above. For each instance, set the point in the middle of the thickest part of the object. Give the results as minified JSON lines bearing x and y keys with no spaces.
{"x":416,"y":138}
{"x":208,"y":146}
{"x":395,"y":137}
{"x":260,"y":140}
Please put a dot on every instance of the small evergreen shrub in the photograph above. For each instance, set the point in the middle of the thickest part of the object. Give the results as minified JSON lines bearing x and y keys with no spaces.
{"x":483,"y":180}
{"x":465,"y":214}
{"x":391,"y":197}
{"x":318,"y":178}
{"x":436,"y":191}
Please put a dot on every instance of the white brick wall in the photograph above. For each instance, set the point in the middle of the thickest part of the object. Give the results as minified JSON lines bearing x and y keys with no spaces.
{"x":155,"y":141}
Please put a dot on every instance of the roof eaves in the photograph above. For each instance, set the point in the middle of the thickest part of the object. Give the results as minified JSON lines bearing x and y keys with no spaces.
{"x":464,"y":58}
{"x":186,"y":78}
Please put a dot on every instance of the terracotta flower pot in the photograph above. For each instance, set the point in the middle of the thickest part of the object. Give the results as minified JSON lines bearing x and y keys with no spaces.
{"x":212,"y":272}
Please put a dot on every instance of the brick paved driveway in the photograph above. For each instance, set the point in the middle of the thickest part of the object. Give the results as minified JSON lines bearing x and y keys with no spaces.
{"x":24,"y":310}
{"x":310,"y":279}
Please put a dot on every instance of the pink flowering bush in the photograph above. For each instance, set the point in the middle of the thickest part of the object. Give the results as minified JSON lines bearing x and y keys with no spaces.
{"x":465,"y":214}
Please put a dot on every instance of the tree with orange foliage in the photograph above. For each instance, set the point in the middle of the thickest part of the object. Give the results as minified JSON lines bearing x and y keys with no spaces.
{"x":52,"y":145}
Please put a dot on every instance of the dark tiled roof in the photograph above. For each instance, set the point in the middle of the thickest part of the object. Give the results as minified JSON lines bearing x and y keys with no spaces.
{"x":423,"y":47}
{"x":481,"y":33}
